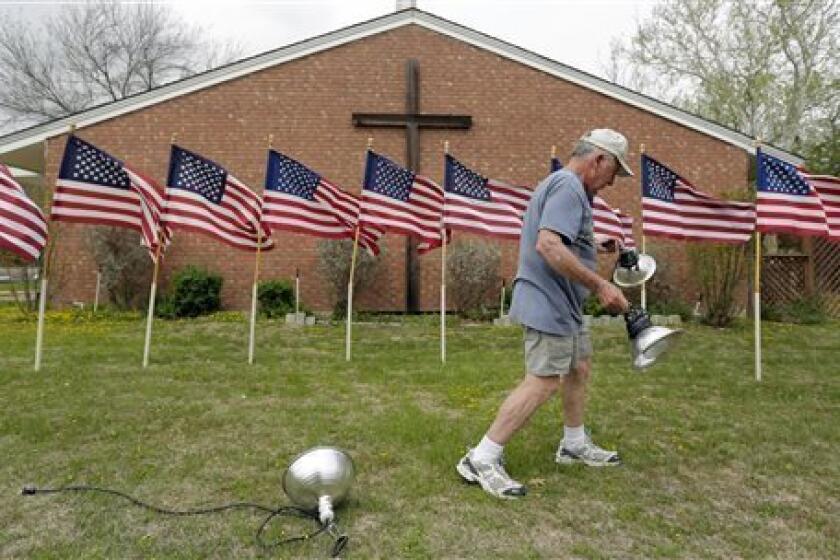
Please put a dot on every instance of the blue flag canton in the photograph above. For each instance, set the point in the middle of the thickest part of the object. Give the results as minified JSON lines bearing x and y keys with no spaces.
{"x":556,"y":165}
{"x":383,"y":176}
{"x":659,"y":181}
{"x":463,"y":181}
{"x":291,"y":177}
{"x":84,"y":163}
{"x":198,"y":175}
{"x":777,"y":176}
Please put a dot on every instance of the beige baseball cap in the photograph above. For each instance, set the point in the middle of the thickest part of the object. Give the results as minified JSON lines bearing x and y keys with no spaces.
{"x":612,"y":142}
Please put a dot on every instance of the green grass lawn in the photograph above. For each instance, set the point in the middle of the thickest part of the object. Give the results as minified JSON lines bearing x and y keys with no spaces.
{"x":716,"y":465}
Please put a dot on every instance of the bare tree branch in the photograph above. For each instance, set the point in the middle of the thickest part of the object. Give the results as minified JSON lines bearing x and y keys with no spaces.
{"x":96,"y":52}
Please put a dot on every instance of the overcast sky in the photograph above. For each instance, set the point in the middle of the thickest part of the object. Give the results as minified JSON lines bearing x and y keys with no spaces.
{"x":575,"y":32}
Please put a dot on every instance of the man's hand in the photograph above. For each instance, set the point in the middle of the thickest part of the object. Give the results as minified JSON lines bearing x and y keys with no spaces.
{"x":611,"y":298}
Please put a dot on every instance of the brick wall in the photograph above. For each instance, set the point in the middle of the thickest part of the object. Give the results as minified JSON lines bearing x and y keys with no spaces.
{"x":518,"y":114}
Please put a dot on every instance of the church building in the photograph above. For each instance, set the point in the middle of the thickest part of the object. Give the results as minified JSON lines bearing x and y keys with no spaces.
{"x":411,"y":81}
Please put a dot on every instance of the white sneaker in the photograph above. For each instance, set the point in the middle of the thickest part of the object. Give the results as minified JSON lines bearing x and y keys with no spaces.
{"x":588,"y":453}
{"x":492,"y":477}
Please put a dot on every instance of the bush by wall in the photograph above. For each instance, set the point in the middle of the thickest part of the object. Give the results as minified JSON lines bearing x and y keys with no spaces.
{"x":720,"y":271}
{"x":805,"y":310}
{"x":276,"y":298}
{"x":193,"y":292}
{"x":124,"y":263}
{"x":334,"y":259}
{"x":472,"y":271}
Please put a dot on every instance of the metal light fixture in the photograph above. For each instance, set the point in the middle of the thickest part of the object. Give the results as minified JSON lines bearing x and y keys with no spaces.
{"x":647,"y":342}
{"x":319,"y":479}
{"x":633,"y":269}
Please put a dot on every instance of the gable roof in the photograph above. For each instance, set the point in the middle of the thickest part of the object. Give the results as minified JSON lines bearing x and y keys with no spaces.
{"x":26,"y":141}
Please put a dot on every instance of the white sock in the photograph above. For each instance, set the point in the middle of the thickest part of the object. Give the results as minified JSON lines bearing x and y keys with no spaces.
{"x":573,"y":437}
{"x":487,"y":451}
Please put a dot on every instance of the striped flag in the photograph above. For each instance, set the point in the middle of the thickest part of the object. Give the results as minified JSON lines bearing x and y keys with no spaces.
{"x":794,"y":201}
{"x":627,"y":227}
{"x":672,"y":207}
{"x":23,"y":229}
{"x":480,"y":205}
{"x":300,"y":200}
{"x":401,"y":201}
{"x":201,"y":196}
{"x":610,"y":223}
{"x":93,"y":187}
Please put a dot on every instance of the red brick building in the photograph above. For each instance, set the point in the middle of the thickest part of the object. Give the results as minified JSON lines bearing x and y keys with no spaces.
{"x":305,"y":94}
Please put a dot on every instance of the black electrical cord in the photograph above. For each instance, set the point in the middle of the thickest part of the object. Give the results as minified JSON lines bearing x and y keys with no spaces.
{"x":290,"y":511}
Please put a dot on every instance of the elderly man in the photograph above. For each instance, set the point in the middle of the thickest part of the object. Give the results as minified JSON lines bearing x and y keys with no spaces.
{"x":557,"y":257}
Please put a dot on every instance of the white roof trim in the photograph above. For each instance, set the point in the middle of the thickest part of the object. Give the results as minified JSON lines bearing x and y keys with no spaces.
{"x":333,"y":39}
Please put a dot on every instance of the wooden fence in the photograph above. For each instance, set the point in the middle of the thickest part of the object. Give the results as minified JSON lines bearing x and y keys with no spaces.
{"x":786,"y":278}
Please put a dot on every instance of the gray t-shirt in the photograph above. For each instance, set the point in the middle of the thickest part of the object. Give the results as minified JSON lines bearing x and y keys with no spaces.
{"x":542,"y":298}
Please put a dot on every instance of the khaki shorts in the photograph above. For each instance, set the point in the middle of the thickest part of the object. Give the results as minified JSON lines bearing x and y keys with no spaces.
{"x":548,"y":354}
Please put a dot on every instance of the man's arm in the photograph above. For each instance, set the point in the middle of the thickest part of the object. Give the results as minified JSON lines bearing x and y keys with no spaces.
{"x":550,"y":247}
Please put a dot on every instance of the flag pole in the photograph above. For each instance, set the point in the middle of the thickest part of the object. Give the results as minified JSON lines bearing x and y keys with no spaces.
{"x":757,"y":294}
{"x":45,"y":270}
{"x":153,"y":289}
{"x":152,"y":295}
{"x":502,"y":301}
{"x":643,"y":295}
{"x":349,"y":341}
{"x":297,"y":292}
{"x":757,"y":306}
{"x":253,"y":322}
{"x":42,"y":305}
{"x":254,"y":297}
{"x":443,"y":278}
{"x":349,"y":330}
{"x":96,"y":295}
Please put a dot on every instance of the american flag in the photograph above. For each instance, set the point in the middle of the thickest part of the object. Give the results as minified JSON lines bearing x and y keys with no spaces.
{"x":23,"y":229}
{"x":610,"y":223}
{"x":480,"y":205}
{"x":794,"y":201}
{"x":203,"y":197}
{"x":672,"y":207}
{"x":300,"y":200}
{"x":398,"y":200}
{"x":93,"y":187}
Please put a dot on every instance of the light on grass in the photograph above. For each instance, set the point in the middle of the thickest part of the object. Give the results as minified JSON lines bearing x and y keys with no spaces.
{"x":320,"y":478}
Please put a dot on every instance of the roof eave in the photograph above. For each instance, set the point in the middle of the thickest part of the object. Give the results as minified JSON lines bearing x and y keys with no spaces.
{"x":40,"y":133}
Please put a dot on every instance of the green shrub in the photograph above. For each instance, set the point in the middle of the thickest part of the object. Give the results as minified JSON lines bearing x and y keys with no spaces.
{"x":194,"y":292}
{"x":334,"y":259}
{"x":276,"y":298}
{"x":804,"y":310}
{"x":720,"y":271}
{"x":124,"y":263}
{"x":508,"y":294}
{"x":472,"y":272}
{"x":672,"y":307}
{"x":665,"y":292}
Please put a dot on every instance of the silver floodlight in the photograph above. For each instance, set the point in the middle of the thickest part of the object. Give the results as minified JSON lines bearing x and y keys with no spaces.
{"x":647,"y":342}
{"x":633,"y":269}
{"x":319,"y":479}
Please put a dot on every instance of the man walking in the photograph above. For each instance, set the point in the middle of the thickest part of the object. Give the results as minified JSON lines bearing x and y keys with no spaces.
{"x":557,"y":258}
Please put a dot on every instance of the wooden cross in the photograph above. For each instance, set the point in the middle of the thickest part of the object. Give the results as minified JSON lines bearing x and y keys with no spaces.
{"x":412,"y":121}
